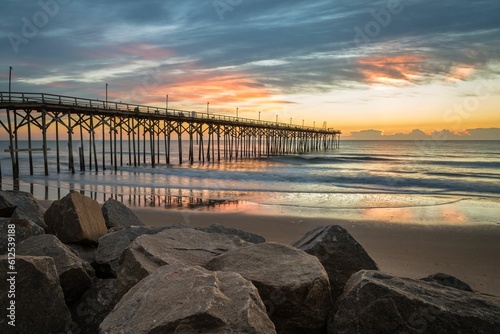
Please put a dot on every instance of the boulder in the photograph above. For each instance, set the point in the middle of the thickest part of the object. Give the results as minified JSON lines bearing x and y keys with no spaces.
{"x":112,"y":245}
{"x":185,"y":246}
{"x":244,"y":235}
{"x":181,"y":299}
{"x":448,"y":280}
{"x":26,"y":206}
{"x":74,"y":273}
{"x":85,"y":252}
{"x":75,"y":218}
{"x":94,"y":305}
{"x":378,"y":303}
{"x":7,"y":211}
{"x":117,"y":214}
{"x":338,"y":252}
{"x":23,"y":229}
{"x":293,"y":284}
{"x":39,"y":299}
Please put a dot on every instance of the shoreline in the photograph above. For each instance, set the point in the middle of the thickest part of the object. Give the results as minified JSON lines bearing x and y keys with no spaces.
{"x":470,"y":252}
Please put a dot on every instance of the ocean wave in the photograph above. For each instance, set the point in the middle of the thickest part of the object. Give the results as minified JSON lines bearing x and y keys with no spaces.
{"x":327,"y":160}
{"x":492,"y":176}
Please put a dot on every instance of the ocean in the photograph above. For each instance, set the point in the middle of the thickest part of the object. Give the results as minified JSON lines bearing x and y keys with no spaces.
{"x":424,"y":182}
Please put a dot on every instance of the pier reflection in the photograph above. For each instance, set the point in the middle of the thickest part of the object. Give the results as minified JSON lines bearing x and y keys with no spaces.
{"x":131,"y":197}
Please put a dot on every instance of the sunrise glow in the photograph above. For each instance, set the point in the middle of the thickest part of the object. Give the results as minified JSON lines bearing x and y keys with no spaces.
{"x":321,"y":64}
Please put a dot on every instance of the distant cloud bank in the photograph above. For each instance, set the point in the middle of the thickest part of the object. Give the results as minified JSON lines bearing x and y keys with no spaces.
{"x":469,"y":134}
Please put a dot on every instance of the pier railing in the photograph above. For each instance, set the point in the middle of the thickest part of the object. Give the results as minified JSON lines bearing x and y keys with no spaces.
{"x":15,"y":98}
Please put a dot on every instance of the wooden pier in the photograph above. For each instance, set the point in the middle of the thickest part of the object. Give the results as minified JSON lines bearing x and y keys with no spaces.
{"x":140,"y":129}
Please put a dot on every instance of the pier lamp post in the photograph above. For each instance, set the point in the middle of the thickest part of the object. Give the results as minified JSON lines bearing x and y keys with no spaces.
{"x":302,"y":123}
{"x":166,"y":103}
{"x":314,"y":125}
{"x":259,"y":115}
{"x":237,"y":112}
{"x":106,"y":95}
{"x":290,"y":121}
{"x":10,"y":82}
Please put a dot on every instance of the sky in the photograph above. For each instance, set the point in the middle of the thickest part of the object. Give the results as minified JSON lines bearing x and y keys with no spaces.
{"x":392,"y":69}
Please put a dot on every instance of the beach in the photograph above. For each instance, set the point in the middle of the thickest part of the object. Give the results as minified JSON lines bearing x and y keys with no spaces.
{"x":471,"y":253}
{"x":417,"y":208}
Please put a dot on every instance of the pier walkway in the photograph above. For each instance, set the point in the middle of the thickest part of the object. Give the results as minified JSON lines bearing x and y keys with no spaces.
{"x":131,"y":134}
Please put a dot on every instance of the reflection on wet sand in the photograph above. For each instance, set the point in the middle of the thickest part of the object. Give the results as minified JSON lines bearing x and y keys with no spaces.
{"x":182,"y":199}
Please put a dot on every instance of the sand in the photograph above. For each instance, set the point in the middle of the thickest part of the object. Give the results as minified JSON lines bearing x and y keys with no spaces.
{"x":471,"y":253}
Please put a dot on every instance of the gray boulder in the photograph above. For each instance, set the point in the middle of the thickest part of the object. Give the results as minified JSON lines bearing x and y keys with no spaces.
{"x":85,"y":252}
{"x":377,"y":303}
{"x":117,"y":214}
{"x":244,"y":235}
{"x":112,"y":245}
{"x":186,"y":246}
{"x":293,"y":284}
{"x":338,"y":252}
{"x":94,"y":306}
{"x":39,"y":300}
{"x":74,"y":273}
{"x":26,"y":206}
{"x":180,"y":299}
{"x":23,"y":229}
{"x":75,"y":218}
{"x":448,"y":280}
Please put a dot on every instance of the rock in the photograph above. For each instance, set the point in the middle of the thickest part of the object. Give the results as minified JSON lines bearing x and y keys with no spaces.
{"x":293,"y":284}
{"x":112,"y":245}
{"x":338,"y":252}
{"x":180,"y":299}
{"x":448,"y":280}
{"x":94,"y":305}
{"x":186,"y":246}
{"x":117,"y":214}
{"x":85,"y":252}
{"x":39,"y":299}
{"x":23,"y":230}
{"x":74,"y":273}
{"x":244,"y":235}
{"x":27,"y":206}
{"x":377,"y":303}
{"x":75,"y":218}
{"x":7,"y":211}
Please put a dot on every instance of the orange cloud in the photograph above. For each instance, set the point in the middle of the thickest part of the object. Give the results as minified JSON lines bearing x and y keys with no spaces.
{"x":460,"y":73}
{"x":222,"y":88}
{"x":392,"y":70}
{"x":224,"y":92}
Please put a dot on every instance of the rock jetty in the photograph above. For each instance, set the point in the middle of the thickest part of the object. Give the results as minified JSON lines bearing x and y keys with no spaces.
{"x":86,"y":268}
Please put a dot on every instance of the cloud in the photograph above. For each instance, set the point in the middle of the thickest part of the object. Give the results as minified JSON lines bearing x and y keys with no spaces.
{"x":367,"y":135}
{"x":484,"y":134}
{"x":287,"y":47}
{"x":470,"y":134}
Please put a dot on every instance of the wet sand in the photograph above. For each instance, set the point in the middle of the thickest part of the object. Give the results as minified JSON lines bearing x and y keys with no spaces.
{"x":471,"y":253}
